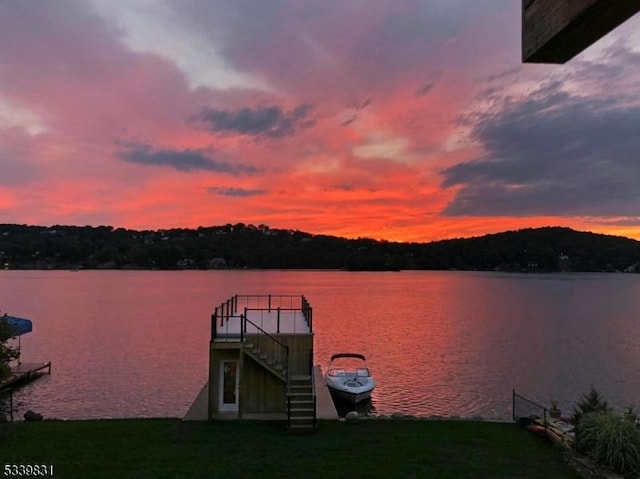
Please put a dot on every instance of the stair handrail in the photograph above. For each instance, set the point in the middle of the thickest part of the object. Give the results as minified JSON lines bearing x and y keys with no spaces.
{"x":287,"y":376}
{"x":245,"y":320}
{"x":313,"y":392}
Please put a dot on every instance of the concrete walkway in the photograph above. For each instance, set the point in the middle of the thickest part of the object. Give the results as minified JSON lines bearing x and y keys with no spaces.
{"x":325,"y":409}
{"x":199,"y":409}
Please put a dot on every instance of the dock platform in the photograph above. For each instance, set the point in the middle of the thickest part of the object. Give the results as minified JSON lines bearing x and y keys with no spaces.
{"x":25,"y":372}
{"x":326,"y":409}
{"x":560,"y":431}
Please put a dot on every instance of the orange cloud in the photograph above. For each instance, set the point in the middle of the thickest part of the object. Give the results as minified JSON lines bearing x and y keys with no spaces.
{"x":343,"y":121}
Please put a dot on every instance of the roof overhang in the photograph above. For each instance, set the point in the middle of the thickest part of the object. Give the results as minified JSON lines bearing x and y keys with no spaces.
{"x":554,"y":31}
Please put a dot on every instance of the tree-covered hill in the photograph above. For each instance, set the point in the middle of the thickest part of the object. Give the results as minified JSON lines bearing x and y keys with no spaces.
{"x":249,"y":246}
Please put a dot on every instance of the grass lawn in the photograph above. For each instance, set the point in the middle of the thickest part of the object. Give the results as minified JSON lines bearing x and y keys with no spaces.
{"x":170,"y":448}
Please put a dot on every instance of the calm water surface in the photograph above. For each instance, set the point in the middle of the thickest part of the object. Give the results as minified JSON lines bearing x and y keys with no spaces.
{"x":127,"y":344}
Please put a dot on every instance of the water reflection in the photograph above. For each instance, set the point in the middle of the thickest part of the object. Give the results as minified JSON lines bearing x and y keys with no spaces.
{"x":135,"y":343}
{"x":343,"y":407}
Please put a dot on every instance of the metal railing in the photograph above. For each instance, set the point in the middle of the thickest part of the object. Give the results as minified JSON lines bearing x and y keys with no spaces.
{"x":288,"y":408}
{"x":265,"y":343}
{"x":313,"y":392}
{"x":286,"y":310}
{"x":222,"y":314}
{"x":265,"y":340}
{"x":525,"y":410}
{"x":289,"y":308}
{"x":270,"y":301}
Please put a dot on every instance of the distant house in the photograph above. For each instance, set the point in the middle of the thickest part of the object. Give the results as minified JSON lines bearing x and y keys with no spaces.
{"x":563,"y":262}
{"x":217,"y":263}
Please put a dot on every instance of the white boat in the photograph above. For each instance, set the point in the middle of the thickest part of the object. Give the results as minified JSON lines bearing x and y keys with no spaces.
{"x":348,"y":377}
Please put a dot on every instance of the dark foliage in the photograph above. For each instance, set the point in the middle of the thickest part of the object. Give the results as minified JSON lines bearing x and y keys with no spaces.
{"x":7,"y":353}
{"x":247,"y":246}
{"x":592,"y":401}
{"x":610,"y":440}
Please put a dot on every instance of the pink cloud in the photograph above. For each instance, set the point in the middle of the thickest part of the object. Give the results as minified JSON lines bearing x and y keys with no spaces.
{"x":359,"y":117}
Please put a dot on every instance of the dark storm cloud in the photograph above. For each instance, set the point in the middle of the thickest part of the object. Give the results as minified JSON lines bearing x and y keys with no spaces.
{"x":269,"y":121}
{"x":182,"y":160}
{"x":627,"y":221}
{"x":424,"y":89}
{"x":236,"y":192}
{"x":365,"y":103}
{"x":553,"y":153}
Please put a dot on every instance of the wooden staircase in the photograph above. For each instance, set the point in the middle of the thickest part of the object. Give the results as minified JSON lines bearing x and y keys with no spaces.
{"x":273,"y":366}
{"x":300,"y":398}
{"x":301,"y":404}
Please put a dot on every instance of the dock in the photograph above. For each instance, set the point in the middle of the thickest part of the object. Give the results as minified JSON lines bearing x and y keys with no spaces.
{"x":538,"y":419}
{"x":325,"y":405}
{"x":560,"y":431}
{"x":25,"y":372}
{"x":326,"y":409}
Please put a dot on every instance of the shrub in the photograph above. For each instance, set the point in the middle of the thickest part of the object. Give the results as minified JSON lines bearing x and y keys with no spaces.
{"x":631,"y":415}
{"x":593,"y":401}
{"x":7,"y":353}
{"x":610,"y":440}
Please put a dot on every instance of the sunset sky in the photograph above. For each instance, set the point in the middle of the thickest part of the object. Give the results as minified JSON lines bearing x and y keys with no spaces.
{"x":410,"y":120}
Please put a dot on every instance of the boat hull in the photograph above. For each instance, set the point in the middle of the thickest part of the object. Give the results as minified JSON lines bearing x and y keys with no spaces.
{"x":350,"y":396}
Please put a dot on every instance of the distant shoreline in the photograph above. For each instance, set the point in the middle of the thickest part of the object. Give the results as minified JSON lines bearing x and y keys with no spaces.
{"x":237,"y":247}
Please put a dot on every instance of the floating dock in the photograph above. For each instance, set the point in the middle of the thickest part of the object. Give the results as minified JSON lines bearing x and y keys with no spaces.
{"x":25,"y":372}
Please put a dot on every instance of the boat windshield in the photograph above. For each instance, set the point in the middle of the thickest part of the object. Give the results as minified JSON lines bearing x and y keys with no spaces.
{"x":337,"y":372}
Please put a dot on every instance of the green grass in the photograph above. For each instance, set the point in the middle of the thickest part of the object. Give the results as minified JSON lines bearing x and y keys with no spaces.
{"x":170,"y":448}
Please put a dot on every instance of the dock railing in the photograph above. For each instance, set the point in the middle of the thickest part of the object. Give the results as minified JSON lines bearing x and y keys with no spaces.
{"x":525,"y":410}
{"x":528,"y":413}
{"x":267,"y":345}
{"x":262,"y":306}
{"x":313,"y":391}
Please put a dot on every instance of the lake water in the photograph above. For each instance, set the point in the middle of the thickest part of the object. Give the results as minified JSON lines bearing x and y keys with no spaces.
{"x":135,"y":343}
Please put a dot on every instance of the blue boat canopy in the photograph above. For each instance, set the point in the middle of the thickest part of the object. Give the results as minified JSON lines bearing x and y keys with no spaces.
{"x":20,"y":325}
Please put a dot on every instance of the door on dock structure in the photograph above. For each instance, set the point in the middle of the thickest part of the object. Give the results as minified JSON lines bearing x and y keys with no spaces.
{"x":229,"y":381}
